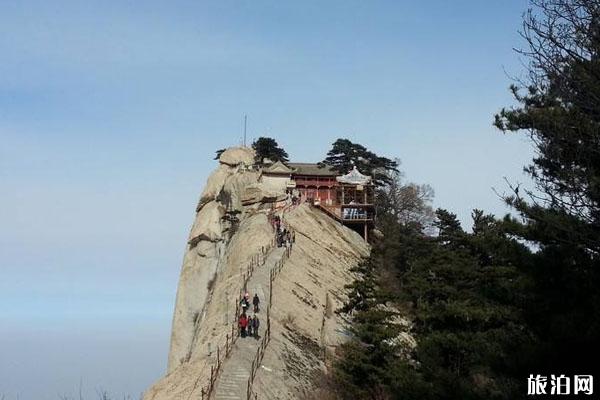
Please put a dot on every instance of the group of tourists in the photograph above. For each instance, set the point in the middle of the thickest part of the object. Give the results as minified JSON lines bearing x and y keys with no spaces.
{"x":353,"y":213}
{"x":276,"y":222}
{"x":249,"y":324}
{"x":284,"y":238}
{"x":293,"y":197}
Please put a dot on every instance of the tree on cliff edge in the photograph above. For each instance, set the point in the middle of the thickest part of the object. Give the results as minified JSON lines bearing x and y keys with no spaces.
{"x":266,"y":147}
{"x":559,"y":109}
{"x":344,"y":155}
{"x":218,"y":153}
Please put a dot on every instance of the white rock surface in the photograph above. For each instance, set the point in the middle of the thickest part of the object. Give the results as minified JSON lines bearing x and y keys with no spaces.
{"x":237,"y":155}
{"x":234,"y":188}
{"x":207,"y":225}
{"x":199,"y":267}
{"x":209,"y":241}
{"x":214,"y":185}
{"x":258,"y":193}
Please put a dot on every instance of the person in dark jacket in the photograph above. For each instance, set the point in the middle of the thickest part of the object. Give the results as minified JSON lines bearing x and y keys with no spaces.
{"x":244,"y":302}
{"x":255,"y":326}
{"x":256,"y":302}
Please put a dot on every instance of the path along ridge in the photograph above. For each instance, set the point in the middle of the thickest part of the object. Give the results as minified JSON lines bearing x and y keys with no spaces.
{"x":232,"y":381}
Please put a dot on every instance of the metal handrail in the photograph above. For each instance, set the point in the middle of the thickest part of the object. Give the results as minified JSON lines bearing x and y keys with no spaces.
{"x":256,"y":260}
{"x":260,"y":352}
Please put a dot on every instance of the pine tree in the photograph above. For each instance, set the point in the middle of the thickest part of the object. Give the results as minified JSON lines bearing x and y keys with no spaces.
{"x":559,"y":110}
{"x":344,"y":155}
{"x":466,"y":299}
{"x":266,"y":147}
{"x":218,"y":153}
{"x":450,"y":231}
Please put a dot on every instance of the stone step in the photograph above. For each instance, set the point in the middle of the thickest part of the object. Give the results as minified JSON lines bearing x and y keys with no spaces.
{"x":233,"y":379}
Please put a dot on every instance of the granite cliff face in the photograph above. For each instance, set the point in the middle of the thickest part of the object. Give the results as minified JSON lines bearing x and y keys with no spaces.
{"x":231,"y":230}
{"x":212,"y":244}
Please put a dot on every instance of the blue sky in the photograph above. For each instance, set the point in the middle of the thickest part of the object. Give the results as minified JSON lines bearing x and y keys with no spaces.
{"x":110,"y":113}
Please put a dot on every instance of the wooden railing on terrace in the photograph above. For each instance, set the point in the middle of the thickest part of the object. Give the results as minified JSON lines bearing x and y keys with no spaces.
{"x":349,"y":212}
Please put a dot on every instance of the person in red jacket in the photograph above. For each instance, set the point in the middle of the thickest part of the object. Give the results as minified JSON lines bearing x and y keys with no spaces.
{"x":243,"y":324}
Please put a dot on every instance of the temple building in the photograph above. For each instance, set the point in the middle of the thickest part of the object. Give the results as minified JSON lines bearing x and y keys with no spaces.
{"x":277,"y":177}
{"x":348,"y":198}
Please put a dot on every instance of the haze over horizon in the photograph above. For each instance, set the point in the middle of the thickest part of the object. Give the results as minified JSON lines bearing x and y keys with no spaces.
{"x":110,"y":114}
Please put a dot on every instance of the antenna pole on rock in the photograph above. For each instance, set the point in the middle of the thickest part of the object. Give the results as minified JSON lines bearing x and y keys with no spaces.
{"x":245,"y":124}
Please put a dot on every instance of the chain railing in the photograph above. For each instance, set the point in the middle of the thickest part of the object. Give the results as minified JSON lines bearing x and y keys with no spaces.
{"x":256,"y":260}
{"x":260,"y":352}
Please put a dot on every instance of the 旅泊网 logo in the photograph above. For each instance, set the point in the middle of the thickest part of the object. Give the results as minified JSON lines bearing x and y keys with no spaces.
{"x":560,"y":385}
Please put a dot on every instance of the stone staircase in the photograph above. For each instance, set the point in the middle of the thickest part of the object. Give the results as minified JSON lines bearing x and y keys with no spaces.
{"x":232,"y":385}
{"x":232,"y":381}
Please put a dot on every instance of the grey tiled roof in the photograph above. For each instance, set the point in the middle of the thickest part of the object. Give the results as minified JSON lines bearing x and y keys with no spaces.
{"x":278,"y":167}
{"x":311,"y":169}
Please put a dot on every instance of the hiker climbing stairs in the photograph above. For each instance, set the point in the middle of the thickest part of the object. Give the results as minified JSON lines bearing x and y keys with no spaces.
{"x":232,"y":381}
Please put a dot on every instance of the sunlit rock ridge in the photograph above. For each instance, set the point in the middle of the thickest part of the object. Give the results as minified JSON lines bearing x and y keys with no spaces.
{"x":231,"y":230}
